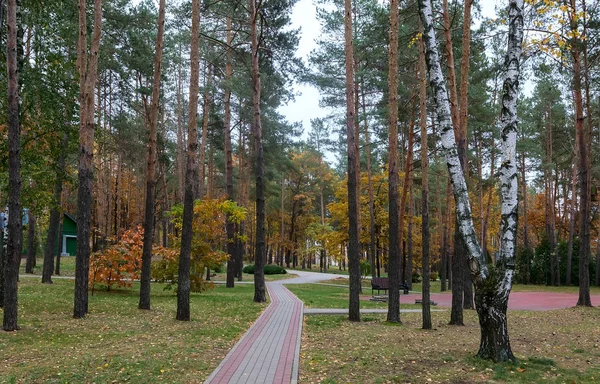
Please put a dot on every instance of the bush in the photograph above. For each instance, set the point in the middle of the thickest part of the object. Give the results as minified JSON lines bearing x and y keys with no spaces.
{"x":365,"y":268}
{"x":271,"y":269}
{"x":433,"y":276}
{"x":416,"y":277}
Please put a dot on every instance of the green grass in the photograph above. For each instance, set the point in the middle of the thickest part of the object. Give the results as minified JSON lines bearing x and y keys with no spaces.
{"x":67,"y":266}
{"x":326,"y":296}
{"x":559,"y":346}
{"x":116,"y":342}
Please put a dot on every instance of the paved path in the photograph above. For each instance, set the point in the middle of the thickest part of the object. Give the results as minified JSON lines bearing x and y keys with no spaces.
{"x":270,"y":351}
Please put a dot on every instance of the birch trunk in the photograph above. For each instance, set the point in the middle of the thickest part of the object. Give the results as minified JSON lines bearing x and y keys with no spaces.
{"x":393,"y":314}
{"x":492,"y":284}
{"x":191,"y":173}
{"x":88,"y":67}
{"x":144,"y":302}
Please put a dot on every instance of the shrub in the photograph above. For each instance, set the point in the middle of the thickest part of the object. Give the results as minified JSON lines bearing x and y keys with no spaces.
{"x":271,"y":269}
{"x":433,"y":276}
{"x":119,"y":264}
{"x":365,"y":268}
{"x":416,"y":277}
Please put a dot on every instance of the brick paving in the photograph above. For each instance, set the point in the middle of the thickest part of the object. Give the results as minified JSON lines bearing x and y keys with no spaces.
{"x":269,"y":352}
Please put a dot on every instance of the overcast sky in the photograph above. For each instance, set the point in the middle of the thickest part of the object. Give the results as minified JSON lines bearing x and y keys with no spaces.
{"x":306,"y":105}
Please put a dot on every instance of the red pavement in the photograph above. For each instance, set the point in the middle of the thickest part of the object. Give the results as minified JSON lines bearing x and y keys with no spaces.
{"x":532,"y":301}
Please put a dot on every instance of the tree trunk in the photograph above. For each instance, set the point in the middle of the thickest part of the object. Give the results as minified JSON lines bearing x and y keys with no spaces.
{"x":2,"y":263}
{"x":205,"y":117}
{"x":569,"y":271}
{"x":370,"y":187}
{"x":60,"y":229}
{"x":492,"y":286}
{"x":31,"y":251}
{"x":353,"y":172}
{"x":259,"y":164}
{"x":598,"y":262}
{"x":88,"y":67}
{"x":230,"y":226}
{"x":55,"y":213}
{"x":180,"y":139}
{"x":525,"y":222}
{"x":144,"y":302}
{"x":425,"y":296}
{"x":549,"y":200}
{"x":14,"y":245}
{"x":409,"y":233}
{"x":191,"y":173}
{"x":582,"y":149}
{"x":394,"y":232}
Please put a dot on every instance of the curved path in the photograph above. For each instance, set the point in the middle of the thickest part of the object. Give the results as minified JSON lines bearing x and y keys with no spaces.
{"x":270,"y":351}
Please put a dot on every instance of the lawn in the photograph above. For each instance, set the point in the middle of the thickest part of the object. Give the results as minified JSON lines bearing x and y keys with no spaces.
{"x":67,"y":266}
{"x":117,"y":342}
{"x":561,"y":346}
{"x":327,"y":296}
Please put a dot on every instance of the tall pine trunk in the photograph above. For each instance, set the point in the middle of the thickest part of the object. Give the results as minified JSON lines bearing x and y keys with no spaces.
{"x":492,"y":283}
{"x":260,"y":295}
{"x":425,"y":296}
{"x":572,"y":214}
{"x":582,"y":149}
{"x":353,"y":172}
{"x":144,"y":302}
{"x":230,"y":226}
{"x":14,"y":246}
{"x":88,"y":68}
{"x":394,"y":230}
{"x":191,"y":173}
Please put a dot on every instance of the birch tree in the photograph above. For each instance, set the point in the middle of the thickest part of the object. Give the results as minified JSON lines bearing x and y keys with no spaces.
{"x":492,"y":283}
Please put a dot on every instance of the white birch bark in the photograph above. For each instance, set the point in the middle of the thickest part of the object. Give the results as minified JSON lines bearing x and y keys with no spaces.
{"x":442,"y":107}
{"x":508,"y":124}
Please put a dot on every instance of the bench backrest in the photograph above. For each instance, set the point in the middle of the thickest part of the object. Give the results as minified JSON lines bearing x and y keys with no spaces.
{"x":381,"y":282}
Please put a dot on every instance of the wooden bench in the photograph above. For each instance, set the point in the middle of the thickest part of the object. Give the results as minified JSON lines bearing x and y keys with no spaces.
{"x":383,"y":284}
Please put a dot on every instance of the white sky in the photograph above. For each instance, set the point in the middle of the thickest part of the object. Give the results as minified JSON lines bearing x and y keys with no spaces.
{"x":306,"y":105}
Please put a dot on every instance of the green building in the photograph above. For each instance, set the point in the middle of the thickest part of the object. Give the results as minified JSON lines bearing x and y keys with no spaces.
{"x":67,"y":240}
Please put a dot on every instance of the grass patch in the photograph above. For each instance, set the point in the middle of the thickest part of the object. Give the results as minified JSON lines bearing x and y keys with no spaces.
{"x":327,"y":296}
{"x":372,"y":352}
{"x":117,"y":342}
{"x":67,"y":266}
